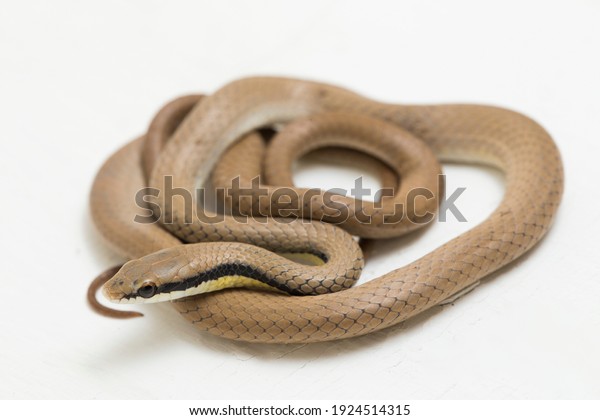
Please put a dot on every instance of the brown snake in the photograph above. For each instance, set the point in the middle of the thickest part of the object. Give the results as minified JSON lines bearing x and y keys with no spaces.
{"x":460,"y":133}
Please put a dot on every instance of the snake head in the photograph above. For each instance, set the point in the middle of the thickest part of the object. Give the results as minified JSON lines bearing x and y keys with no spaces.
{"x":156,"y":277}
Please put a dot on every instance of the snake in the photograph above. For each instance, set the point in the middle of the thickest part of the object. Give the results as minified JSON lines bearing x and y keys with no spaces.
{"x":237,"y":277}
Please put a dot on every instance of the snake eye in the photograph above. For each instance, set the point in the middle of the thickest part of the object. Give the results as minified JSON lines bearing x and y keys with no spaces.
{"x":147,"y":290}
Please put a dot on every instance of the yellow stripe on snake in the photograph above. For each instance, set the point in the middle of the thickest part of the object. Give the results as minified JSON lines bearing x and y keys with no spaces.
{"x":190,"y":250}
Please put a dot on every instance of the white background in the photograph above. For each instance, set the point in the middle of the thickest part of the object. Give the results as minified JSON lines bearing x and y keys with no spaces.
{"x":78,"y":80}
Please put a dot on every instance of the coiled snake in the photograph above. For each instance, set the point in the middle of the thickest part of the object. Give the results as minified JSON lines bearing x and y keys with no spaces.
{"x":258,"y":251}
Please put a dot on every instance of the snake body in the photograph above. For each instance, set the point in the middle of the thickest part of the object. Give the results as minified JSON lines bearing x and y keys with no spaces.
{"x":461,"y":133}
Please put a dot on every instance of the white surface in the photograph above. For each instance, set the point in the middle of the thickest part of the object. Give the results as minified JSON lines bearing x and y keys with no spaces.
{"x":79,"y":80}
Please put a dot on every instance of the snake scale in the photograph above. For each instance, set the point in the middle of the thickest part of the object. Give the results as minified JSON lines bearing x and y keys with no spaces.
{"x":181,"y":257}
